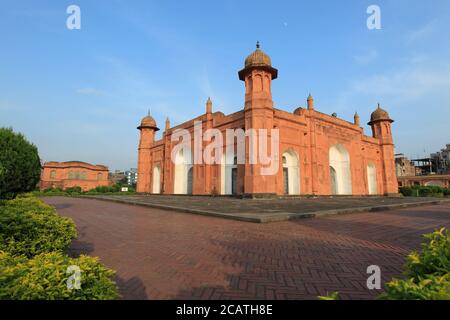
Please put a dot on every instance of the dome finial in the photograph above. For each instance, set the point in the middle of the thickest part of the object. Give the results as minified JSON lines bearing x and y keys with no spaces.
{"x":257,"y":45}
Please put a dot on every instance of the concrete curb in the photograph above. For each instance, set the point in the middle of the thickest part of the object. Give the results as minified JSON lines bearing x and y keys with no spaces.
{"x":252,"y":217}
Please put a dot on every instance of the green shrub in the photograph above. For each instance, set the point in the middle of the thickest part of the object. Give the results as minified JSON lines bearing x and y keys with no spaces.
{"x":45,"y":276}
{"x":74,"y":190}
{"x":20,"y":166}
{"x":423,"y":288}
{"x":28,"y":227}
{"x":446,"y":192}
{"x":331,"y":296}
{"x":406,"y":191}
{"x":427,"y":272}
{"x":422,"y":191}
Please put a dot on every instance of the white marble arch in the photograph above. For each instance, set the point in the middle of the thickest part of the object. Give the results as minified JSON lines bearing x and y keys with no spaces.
{"x":228,"y":163}
{"x":183,"y":163}
{"x":372,"y":179}
{"x":291,"y":162}
{"x":341,"y":179}
{"x":156,"y":188}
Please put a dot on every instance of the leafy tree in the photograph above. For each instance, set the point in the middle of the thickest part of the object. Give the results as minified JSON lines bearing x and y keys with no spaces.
{"x":20,"y":166}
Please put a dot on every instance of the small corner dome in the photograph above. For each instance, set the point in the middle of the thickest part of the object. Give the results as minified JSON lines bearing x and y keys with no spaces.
{"x":379,"y":115}
{"x":258,"y":58}
{"x":148,"y":122}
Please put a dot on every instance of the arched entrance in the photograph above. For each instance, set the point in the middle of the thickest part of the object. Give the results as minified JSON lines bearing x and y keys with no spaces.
{"x":372,"y":179}
{"x":291,"y":173}
{"x":189,"y":180}
{"x":340,"y":176}
{"x":228,"y":170}
{"x":156,"y":188}
{"x":183,"y":172}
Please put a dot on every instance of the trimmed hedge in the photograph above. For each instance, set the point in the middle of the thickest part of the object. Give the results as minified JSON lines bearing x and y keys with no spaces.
{"x":424,"y":191}
{"x":33,"y":264}
{"x":115,"y":190}
{"x":29,"y":227}
{"x":45,"y":276}
{"x":427,"y":272}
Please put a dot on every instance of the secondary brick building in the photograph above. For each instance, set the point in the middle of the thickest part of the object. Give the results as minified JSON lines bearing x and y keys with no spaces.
{"x":319,"y":154}
{"x":73,"y":173}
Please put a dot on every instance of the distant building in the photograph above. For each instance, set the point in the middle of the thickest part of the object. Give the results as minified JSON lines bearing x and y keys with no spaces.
{"x":117,"y":176}
{"x":441,"y":160}
{"x":433,"y":171}
{"x":131,"y":176}
{"x":69,"y":174}
{"x":403,"y":166}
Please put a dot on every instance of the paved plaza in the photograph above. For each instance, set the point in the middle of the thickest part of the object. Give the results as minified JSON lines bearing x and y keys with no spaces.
{"x":269,"y":210}
{"x":160,"y":254}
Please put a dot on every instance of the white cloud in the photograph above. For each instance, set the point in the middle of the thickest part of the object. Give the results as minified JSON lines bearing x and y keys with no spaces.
{"x":400,"y":87}
{"x":423,"y":32}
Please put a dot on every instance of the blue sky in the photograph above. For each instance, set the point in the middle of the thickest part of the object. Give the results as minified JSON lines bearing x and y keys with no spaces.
{"x":80,"y":94}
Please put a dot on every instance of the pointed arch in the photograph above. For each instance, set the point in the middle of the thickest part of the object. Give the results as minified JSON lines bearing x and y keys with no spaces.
{"x":372,"y":179}
{"x":156,"y":187}
{"x":228,"y":171}
{"x":183,"y":165}
{"x":340,"y":173}
{"x":291,"y":172}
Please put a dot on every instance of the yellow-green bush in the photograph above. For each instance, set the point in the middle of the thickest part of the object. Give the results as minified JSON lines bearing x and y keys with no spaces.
{"x":29,"y":227}
{"x":44,"y":277}
{"x":427,"y":273}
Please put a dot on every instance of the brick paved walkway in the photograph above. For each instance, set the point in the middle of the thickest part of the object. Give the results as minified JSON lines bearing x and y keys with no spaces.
{"x":166,"y":255}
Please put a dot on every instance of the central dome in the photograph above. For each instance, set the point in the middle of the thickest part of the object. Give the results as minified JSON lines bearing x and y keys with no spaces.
{"x":258,"y":58}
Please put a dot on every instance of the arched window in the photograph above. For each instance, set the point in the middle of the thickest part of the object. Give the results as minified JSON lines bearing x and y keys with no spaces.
{"x":53,"y":174}
{"x":71,"y":175}
{"x":99,"y":176}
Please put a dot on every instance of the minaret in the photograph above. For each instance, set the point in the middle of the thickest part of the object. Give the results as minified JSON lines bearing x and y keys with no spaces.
{"x":381,"y":130}
{"x":147,"y":137}
{"x":310,"y":102}
{"x":209,"y":106}
{"x":258,"y":74}
{"x":167,"y":125}
{"x":356,"y":118}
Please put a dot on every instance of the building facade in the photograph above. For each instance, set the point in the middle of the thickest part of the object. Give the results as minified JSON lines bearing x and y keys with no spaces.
{"x":426,"y":181}
{"x":404,"y":167}
{"x":131,"y":176}
{"x":441,"y":160}
{"x":69,"y":174}
{"x":319,"y":154}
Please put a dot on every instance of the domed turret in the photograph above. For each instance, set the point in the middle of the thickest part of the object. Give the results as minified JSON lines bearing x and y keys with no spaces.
{"x":148,"y":122}
{"x":258,"y":59}
{"x":379,"y":115}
